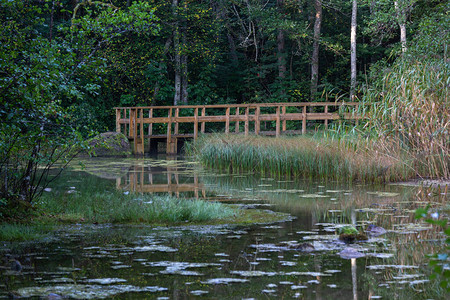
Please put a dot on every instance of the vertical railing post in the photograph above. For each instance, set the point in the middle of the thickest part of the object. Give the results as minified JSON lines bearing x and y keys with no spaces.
{"x":283,"y":113}
{"x":117,"y":120}
{"x":247,"y":111}
{"x":175,"y":140}
{"x":227,"y":120}
{"x":203,"y":123}
{"x":304,"y":120}
{"x":150,"y":129}
{"x":277,"y":130}
{"x":257,"y":121}
{"x":135,"y":129}
{"x":177,"y":113}
{"x":142,"y":131}
{"x":196,"y":123}
{"x":130,"y":123}
{"x":236,"y":129}
{"x":150,"y":126}
{"x":326,"y":120}
{"x":169,"y":132}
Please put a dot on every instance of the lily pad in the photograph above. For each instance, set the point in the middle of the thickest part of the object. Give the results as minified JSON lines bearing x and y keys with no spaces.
{"x":224,"y":280}
{"x":81,"y":291}
{"x":349,"y":253}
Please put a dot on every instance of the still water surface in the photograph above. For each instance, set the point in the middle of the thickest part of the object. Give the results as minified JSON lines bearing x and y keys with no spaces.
{"x":233,"y":262}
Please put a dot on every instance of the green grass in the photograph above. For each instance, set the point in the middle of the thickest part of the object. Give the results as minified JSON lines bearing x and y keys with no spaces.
{"x":302,"y":157}
{"x":23,"y":232}
{"x":116,"y":207}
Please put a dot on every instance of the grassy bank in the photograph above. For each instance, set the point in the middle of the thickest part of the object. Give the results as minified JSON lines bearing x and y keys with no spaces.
{"x":303,"y":157}
{"x":117,"y":207}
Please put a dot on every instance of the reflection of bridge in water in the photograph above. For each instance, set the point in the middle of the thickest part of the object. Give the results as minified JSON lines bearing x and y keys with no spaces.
{"x":147,"y":179}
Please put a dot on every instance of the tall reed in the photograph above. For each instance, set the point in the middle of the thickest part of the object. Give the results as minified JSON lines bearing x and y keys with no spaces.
{"x":412,"y":111}
{"x":301,"y":157}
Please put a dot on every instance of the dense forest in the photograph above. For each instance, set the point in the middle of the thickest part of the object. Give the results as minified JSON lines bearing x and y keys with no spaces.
{"x":65,"y":64}
{"x":90,"y":56}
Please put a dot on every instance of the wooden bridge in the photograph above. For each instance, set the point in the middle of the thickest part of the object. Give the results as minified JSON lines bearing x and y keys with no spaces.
{"x":174,"y":123}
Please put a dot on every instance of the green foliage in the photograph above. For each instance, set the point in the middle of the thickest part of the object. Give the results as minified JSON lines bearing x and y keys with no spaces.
{"x":42,"y":86}
{"x":347,"y":230}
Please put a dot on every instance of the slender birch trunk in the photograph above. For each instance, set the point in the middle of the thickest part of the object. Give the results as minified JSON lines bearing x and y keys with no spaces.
{"x":353,"y":51}
{"x":280,"y":47}
{"x":401,"y":23}
{"x":184,"y":70}
{"x":315,"y":54}
{"x":176,"y":46}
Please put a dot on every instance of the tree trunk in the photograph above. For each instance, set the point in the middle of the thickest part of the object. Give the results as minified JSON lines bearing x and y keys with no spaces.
{"x":160,"y":67}
{"x":401,"y":23}
{"x":315,"y":54}
{"x":51,"y":21}
{"x":353,"y":51}
{"x":176,"y":46}
{"x":184,"y":71}
{"x":280,"y":43}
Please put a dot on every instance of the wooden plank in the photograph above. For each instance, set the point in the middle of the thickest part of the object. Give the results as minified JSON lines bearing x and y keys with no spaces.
{"x":175,"y":120}
{"x":257,"y":120}
{"x":142,"y":131}
{"x":247,"y":110}
{"x":196,"y":123}
{"x":278,"y":122}
{"x":175,"y":139}
{"x":169,"y":132}
{"x":134,"y":126}
{"x":118,"y":120}
{"x":203,"y":123}
{"x":253,"y":105}
{"x":236,"y":129}
{"x":150,"y":127}
{"x":304,"y":120}
{"x":227,"y":120}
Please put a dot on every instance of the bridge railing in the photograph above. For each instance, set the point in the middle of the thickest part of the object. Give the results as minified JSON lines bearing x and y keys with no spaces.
{"x":150,"y":122}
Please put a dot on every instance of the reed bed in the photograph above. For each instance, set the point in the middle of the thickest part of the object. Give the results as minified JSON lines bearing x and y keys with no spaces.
{"x":410,"y":110}
{"x":302,"y":157}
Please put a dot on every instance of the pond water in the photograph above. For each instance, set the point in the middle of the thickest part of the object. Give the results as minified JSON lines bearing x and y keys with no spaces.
{"x":299,"y":258}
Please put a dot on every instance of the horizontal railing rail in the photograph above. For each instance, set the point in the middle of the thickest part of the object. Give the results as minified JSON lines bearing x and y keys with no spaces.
{"x":138,"y":123}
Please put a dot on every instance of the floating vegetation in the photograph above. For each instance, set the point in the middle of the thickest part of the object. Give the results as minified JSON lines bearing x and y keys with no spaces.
{"x":179,"y":268}
{"x":384,"y":194}
{"x":224,"y":280}
{"x":314,"y":196}
{"x":349,"y":253}
{"x":80,"y":291}
{"x":106,"y":280}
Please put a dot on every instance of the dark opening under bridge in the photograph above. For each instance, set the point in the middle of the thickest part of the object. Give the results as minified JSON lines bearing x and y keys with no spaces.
{"x":174,"y":123}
